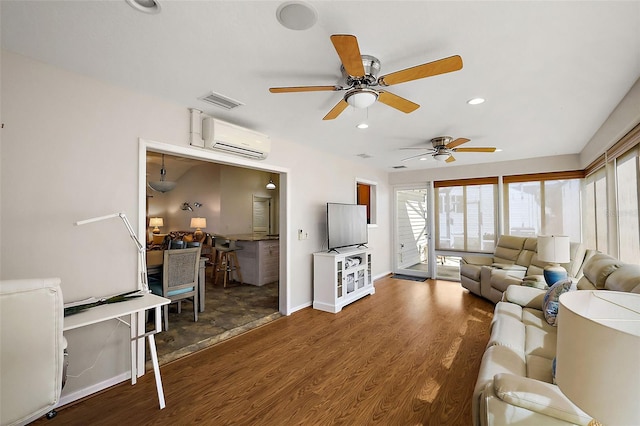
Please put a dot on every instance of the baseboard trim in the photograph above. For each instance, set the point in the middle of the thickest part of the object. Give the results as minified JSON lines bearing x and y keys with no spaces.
{"x":90,"y":390}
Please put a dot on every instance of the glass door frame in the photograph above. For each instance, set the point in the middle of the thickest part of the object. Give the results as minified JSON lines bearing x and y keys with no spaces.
{"x":431,"y":257}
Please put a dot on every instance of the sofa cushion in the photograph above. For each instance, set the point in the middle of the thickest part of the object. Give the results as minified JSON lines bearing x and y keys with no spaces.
{"x":599,"y":267}
{"x":626,"y":278}
{"x":539,"y":397}
{"x":540,"y":368}
{"x":505,"y":309}
{"x":535,"y":317}
{"x":509,"y":332}
{"x":540,"y":342}
{"x":508,"y":249}
{"x":550,"y":302}
{"x":470,"y":271}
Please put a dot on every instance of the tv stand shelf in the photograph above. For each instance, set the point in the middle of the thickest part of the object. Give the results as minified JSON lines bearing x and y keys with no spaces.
{"x":341,"y":278}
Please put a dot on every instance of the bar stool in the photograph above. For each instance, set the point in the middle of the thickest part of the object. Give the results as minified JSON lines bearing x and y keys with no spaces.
{"x":227,"y":262}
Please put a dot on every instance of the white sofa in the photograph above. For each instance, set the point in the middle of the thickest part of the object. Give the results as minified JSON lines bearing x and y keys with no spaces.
{"x":32,"y":344}
{"x":515,"y":384}
{"x":515,"y":260}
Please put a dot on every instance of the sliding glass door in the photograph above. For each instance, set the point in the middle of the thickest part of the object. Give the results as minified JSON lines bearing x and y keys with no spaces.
{"x":412,"y":239}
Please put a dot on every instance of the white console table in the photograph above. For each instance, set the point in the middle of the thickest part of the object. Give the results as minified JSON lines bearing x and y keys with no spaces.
{"x":340,"y":278}
{"x":135,"y":308}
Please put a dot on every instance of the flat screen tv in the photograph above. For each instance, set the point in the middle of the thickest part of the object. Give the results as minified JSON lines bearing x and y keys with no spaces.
{"x":346,"y":225}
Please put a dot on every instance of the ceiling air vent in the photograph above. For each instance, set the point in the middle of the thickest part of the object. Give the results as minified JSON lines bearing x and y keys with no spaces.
{"x":399,"y":167}
{"x":363,"y":155}
{"x":219,"y":100}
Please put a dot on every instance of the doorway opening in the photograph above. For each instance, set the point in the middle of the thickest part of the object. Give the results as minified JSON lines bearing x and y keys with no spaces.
{"x":210,"y":187}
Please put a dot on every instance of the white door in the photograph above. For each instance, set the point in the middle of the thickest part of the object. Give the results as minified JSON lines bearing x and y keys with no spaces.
{"x":261,"y":214}
{"x":412,"y":238}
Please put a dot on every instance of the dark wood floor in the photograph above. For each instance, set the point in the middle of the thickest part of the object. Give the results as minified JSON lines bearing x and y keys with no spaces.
{"x":408,"y":355}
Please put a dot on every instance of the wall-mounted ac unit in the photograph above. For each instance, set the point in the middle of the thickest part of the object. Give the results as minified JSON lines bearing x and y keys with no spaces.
{"x":227,"y":137}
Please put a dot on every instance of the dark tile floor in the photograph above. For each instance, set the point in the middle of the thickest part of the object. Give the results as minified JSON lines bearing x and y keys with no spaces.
{"x":228,"y":312}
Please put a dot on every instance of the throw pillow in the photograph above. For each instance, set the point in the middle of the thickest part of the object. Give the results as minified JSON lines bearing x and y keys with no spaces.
{"x":550,"y":302}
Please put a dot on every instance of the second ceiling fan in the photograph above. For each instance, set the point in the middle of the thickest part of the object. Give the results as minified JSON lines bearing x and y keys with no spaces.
{"x":362,"y":81}
{"x":444,"y":147}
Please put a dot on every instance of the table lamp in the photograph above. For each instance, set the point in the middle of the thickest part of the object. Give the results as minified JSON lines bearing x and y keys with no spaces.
{"x":597,"y":354}
{"x":198,"y":222}
{"x":555,"y":250}
{"x":156,"y":222}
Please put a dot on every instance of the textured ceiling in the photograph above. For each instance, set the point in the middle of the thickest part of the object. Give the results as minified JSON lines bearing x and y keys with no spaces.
{"x":551,"y":71}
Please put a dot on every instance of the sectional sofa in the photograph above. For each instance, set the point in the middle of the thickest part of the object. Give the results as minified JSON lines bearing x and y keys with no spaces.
{"x":515,"y":381}
{"x":514,"y":261}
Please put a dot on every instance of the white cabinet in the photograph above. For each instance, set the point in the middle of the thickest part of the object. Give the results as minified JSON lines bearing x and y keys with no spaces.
{"x":341,"y":278}
{"x":259,"y":261}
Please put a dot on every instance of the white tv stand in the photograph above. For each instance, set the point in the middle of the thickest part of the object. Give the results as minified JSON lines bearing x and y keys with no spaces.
{"x":341,"y":278}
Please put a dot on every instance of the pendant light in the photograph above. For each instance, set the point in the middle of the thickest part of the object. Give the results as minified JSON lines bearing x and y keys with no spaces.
{"x":271,"y":185}
{"x":162,"y":185}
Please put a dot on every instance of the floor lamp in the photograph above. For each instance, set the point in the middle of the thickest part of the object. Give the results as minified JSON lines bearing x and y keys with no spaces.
{"x":142,"y":253}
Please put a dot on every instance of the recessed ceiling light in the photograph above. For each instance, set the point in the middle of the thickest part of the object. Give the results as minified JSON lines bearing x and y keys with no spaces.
{"x":498,"y":150}
{"x":362,"y":126}
{"x":146,"y":6}
{"x":475,"y":101}
{"x":296,"y":15}
{"x":423,"y":158}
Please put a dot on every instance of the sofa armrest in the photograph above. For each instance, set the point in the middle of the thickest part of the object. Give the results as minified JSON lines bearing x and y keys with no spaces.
{"x":539,"y":397}
{"x":527,"y":297}
{"x":477,"y":260}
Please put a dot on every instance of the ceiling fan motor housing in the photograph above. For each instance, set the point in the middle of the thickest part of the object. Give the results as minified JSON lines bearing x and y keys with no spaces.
{"x":371,"y":69}
{"x":441,"y":141}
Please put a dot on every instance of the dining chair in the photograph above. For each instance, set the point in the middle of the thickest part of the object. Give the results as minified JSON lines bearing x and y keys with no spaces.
{"x":176,"y":244}
{"x":179,"y":279}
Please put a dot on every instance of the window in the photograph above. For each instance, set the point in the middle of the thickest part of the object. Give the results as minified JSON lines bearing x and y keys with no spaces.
{"x":466,"y":214}
{"x":543,"y":204}
{"x":366,"y":192}
{"x":627,"y":210}
{"x":595,"y":211}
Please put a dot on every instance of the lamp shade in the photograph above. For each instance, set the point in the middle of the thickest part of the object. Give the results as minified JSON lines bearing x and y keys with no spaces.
{"x":198,"y":222}
{"x":554,"y":248}
{"x":156,"y":221}
{"x":597,"y":354}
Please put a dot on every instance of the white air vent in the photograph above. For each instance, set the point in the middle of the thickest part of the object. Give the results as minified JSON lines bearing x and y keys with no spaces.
{"x":221,"y":101}
{"x":363,"y":155}
{"x":229,"y":138}
{"x":399,"y":167}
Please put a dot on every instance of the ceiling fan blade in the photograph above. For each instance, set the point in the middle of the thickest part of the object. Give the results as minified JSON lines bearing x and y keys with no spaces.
{"x":475,"y":150}
{"x":424,"y":148}
{"x":397,"y":102}
{"x":305,"y":89}
{"x":457,"y":142}
{"x":441,"y":66}
{"x":336,"y":110}
{"x":349,"y":53}
{"x":417,"y":156}
{"x":451,"y":159}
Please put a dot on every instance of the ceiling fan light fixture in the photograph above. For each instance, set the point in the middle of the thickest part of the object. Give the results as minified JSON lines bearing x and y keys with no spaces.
{"x":441,"y":156}
{"x":361,"y":98}
{"x":146,"y":6}
{"x":475,"y":101}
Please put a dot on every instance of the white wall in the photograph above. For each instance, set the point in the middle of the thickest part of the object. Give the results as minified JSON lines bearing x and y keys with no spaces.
{"x":70,"y":151}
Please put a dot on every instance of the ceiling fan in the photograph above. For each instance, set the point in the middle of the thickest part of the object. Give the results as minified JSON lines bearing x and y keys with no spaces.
{"x":361,"y":78}
{"x":444,"y":147}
